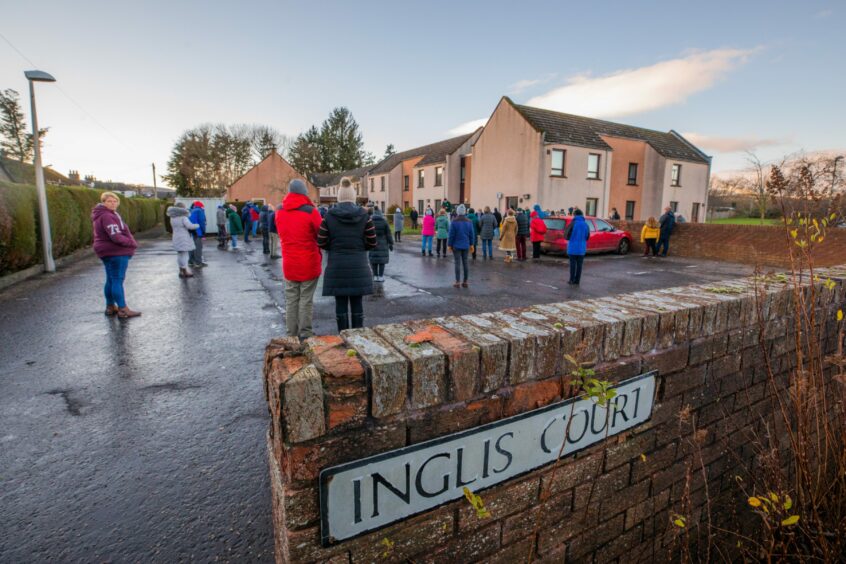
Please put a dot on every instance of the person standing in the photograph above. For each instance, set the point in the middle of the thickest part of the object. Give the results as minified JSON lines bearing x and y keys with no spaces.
{"x":487,"y":226}
{"x":347,"y":234}
{"x":541,"y":214}
{"x":666,"y":223}
{"x":428,"y":231}
{"x":234,"y":224}
{"x":523,"y":232}
{"x":380,"y":256}
{"x":442,"y":228}
{"x":615,"y":215}
{"x":508,"y":235}
{"x":274,"y":233}
{"x":183,"y":241}
{"x":538,"y":230}
{"x":498,"y":217}
{"x":264,"y":226}
{"x":474,"y":219}
{"x":114,"y":245}
{"x":198,"y":216}
{"x":577,"y":235}
{"x":246,"y":221}
{"x":413,"y":215}
{"x":220,"y":218}
{"x":297,"y":223}
{"x":461,"y":242}
{"x":255,"y":216}
{"x":649,"y":236}
{"x":399,"y":223}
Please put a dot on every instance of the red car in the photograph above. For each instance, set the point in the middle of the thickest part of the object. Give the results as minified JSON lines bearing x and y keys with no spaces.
{"x":604,"y":237}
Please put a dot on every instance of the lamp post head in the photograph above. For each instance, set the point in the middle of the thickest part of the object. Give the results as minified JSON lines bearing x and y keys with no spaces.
{"x":39,"y":76}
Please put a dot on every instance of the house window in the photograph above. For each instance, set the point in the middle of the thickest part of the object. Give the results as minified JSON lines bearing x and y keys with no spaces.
{"x":421,"y":177}
{"x":593,"y":166}
{"x":405,"y":205}
{"x":590,"y":206}
{"x":630,"y":207}
{"x":381,"y":183}
{"x":406,"y":182}
{"x":632,"y":174}
{"x":439,"y":176}
{"x":694,"y":212}
{"x":420,"y":207}
{"x":675,"y":178}
{"x":674,"y":207}
{"x":557,"y":168}
{"x":371,"y":184}
{"x":437,"y":206}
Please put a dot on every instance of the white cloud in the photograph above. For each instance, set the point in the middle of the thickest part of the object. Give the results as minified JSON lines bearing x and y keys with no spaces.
{"x":522,"y":85}
{"x":633,"y":91}
{"x":468,"y":126}
{"x":729,"y":144}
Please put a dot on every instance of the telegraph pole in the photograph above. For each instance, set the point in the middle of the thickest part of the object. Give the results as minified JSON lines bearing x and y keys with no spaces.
{"x":155,"y":186}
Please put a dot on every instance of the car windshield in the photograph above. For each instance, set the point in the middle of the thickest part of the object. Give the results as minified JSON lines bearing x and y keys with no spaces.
{"x":554,"y":223}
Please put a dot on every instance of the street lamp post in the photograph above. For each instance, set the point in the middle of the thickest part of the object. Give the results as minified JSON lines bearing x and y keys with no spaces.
{"x":34,"y":76}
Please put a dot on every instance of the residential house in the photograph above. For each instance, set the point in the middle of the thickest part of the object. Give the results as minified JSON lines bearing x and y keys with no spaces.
{"x":529,"y":155}
{"x":329,"y":182}
{"x":268,"y":181}
{"x":420,"y":177}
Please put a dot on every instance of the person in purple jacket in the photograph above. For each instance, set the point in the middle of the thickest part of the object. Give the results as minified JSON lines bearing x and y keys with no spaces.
{"x":114,"y":245}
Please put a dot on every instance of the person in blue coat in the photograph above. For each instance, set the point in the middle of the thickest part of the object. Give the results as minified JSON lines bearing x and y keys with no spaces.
{"x":541,"y":214}
{"x":198,"y":216}
{"x":577,"y":235}
{"x":461,"y":241}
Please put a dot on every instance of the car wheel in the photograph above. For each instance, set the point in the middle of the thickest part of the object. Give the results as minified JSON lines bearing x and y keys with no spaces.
{"x":623,"y":247}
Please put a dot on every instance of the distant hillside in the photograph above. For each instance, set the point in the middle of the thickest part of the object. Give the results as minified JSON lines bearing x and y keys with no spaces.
{"x":24,"y":173}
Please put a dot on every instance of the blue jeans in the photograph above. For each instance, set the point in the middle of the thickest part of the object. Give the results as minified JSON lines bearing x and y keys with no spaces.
{"x":460,"y":258}
{"x":663,"y":245}
{"x":576,"y":268}
{"x":427,"y":241}
{"x":115,"y":274}
{"x":234,"y":241}
{"x":248,"y":226}
{"x":487,"y":248}
{"x":255,"y":228}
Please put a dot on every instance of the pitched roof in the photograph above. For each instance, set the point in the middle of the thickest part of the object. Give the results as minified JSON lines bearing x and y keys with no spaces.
{"x":323,"y":179}
{"x":432,"y":153}
{"x":571,"y":129}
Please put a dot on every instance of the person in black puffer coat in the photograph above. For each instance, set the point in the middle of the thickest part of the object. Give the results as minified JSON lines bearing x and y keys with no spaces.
{"x":380,"y":256}
{"x":347,"y":233}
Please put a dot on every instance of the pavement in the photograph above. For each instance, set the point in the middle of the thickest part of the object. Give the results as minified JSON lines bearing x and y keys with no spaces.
{"x":143,"y":439}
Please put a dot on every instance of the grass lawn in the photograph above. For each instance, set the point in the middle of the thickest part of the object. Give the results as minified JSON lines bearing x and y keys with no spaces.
{"x":745,"y":221}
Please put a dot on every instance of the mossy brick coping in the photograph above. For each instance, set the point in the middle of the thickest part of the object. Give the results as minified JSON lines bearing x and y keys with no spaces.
{"x":405,"y":383}
{"x":70,"y":221}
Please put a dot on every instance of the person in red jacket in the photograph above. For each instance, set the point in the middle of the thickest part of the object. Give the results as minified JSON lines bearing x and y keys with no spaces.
{"x":538,"y":230}
{"x":114,"y":245}
{"x":297,"y":224}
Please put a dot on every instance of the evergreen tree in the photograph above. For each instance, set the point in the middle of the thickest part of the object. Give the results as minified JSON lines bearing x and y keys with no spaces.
{"x":342,"y":146}
{"x":307,"y":153}
{"x":13,"y":129}
{"x":389,"y":150}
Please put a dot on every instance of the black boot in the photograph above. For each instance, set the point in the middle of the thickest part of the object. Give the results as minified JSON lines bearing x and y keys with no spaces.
{"x":343,"y":322}
{"x":357,"y":320}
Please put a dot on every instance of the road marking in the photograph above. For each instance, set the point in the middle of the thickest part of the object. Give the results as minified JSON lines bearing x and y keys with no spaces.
{"x":547,"y":285}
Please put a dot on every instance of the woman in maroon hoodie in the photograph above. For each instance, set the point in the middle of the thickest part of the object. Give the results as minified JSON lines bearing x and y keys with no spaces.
{"x":115,"y":245}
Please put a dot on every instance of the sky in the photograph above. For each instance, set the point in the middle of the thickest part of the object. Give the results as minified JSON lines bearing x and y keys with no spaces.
{"x":765,"y":76}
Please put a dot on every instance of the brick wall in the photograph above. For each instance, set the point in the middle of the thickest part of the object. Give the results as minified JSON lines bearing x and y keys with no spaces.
{"x":329,"y":407}
{"x":749,"y":244}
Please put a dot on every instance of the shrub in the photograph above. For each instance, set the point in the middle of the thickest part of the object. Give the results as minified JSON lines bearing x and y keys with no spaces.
{"x":70,"y":221}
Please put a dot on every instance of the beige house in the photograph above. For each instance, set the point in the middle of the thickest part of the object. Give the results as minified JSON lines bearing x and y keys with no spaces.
{"x":427,"y":174}
{"x":268,"y":181}
{"x":529,"y":155}
{"x":329,"y":182}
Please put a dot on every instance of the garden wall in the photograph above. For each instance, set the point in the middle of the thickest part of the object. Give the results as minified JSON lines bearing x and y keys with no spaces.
{"x":341,"y":399}
{"x":748,"y":244}
{"x":70,"y":219}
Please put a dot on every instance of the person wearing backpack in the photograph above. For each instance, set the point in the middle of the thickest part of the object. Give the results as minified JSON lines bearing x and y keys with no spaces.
{"x":297,"y":224}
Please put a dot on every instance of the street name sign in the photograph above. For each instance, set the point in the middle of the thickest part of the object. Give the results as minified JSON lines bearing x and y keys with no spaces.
{"x":370,"y":493}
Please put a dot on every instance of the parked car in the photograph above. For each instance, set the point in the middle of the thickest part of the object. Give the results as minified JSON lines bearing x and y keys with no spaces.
{"x":604,"y":237}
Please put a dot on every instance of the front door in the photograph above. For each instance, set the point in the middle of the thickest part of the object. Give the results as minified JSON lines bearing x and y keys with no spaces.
{"x":461,"y":183}
{"x":694,"y":213}
{"x":511,"y":202}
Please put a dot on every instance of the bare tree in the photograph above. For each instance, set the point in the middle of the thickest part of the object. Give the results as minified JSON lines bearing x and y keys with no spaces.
{"x":759,"y":187}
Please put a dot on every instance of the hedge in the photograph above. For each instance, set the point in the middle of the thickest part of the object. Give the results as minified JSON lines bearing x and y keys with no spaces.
{"x":70,"y":221}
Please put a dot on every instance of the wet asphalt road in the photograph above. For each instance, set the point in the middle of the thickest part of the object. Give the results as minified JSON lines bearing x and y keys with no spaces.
{"x":143,"y":440}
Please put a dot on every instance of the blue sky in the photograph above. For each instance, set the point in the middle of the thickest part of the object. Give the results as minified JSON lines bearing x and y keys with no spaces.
{"x":766,"y":76}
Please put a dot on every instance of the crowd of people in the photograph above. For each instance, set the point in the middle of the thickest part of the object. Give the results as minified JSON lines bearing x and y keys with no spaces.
{"x":358,"y":240}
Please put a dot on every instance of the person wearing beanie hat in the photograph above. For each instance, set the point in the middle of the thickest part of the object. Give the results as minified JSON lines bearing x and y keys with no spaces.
{"x":297,"y":221}
{"x":577,"y":235}
{"x":234,"y":225}
{"x":461,"y":239}
{"x":220,"y":217}
{"x":347,"y":233}
{"x":198,"y":216}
